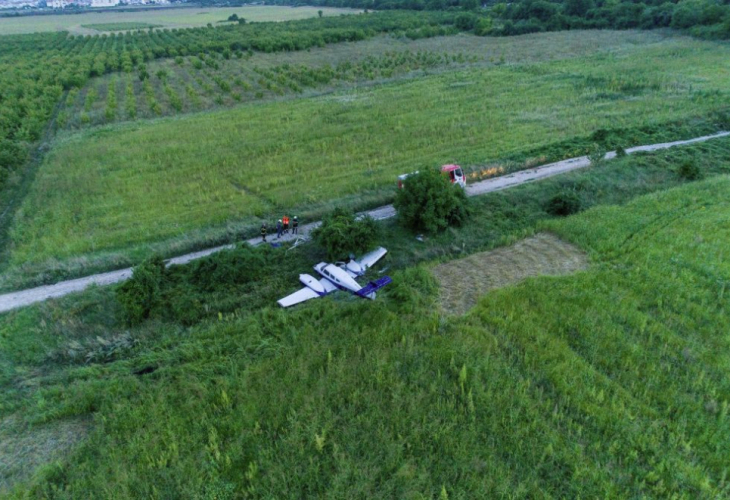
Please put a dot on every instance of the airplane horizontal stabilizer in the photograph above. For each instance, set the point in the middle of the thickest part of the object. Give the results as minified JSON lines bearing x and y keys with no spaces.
{"x":373,"y":286}
{"x":371,"y":258}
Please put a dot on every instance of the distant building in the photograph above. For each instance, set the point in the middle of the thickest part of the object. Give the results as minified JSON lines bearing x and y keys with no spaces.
{"x":104,"y":3}
{"x":57,"y":4}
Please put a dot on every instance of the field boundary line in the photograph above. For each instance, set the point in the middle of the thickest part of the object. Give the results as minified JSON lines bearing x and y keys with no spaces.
{"x":14,"y":300}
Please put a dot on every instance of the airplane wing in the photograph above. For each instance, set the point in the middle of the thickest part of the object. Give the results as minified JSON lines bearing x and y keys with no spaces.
{"x":371,"y":258}
{"x":328,"y":286}
{"x":298,"y":297}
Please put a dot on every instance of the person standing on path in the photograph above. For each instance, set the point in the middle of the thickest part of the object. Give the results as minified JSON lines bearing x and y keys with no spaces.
{"x":278,"y":229}
{"x":286,"y":224}
{"x":263,"y":232}
{"x":295,"y":226}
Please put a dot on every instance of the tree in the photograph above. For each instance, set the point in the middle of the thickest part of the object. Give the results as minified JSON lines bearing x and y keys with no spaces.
{"x":578,"y":7}
{"x":233,"y":17}
{"x":342,"y":234}
{"x":320,"y":13}
{"x":429,"y":202}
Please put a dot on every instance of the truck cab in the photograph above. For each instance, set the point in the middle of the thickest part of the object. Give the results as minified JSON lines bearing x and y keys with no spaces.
{"x":454,"y":172}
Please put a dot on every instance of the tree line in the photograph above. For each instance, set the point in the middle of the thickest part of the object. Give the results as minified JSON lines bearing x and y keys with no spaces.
{"x":709,"y":19}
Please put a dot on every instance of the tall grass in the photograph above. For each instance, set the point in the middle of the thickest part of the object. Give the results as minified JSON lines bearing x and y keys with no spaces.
{"x":610,"y":383}
{"x":124,"y":186}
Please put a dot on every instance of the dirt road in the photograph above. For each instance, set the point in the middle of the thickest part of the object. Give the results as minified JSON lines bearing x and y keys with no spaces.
{"x":26,"y":297}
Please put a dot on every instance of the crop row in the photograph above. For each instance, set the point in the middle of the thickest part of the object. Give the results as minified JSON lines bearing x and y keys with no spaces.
{"x":35,"y":70}
{"x":199,"y":82}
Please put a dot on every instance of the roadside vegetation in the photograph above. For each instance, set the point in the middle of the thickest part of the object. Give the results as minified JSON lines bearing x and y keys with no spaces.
{"x":620,"y":364}
{"x":205,"y":177}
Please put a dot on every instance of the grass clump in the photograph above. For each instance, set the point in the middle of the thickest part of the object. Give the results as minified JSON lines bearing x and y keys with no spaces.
{"x":342,"y":234}
{"x":141,"y":295}
{"x":689,"y":170}
{"x":429,"y":202}
{"x":566,"y":202}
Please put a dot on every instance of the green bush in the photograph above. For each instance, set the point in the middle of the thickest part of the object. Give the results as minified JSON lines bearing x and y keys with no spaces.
{"x":690,"y":171}
{"x":564,"y":203}
{"x":466,"y":22}
{"x":235,"y":267}
{"x":596,"y":154}
{"x":141,"y":295}
{"x":429,"y":202}
{"x":342,"y":234}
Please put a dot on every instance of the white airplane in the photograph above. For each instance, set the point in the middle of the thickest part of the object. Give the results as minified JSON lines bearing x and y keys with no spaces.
{"x":339,"y":276}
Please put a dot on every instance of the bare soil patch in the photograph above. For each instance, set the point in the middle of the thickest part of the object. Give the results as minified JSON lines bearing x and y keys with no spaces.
{"x":23,"y":449}
{"x":463,"y":281}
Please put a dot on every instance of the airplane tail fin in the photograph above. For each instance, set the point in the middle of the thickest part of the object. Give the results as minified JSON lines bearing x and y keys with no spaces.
{"x":368,"y":291}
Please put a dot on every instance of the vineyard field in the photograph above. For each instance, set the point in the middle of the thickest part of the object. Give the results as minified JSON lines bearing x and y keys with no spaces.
{"x":183,"y":85}
{"x":132,"y":184}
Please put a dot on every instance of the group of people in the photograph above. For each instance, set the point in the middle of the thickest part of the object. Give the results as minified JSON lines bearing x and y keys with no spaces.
{"x":282,"y":227}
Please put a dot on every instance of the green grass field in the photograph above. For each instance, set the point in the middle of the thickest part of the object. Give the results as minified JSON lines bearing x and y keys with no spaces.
{"x":118,"y":188}
{"x":609,"y":383}
{"x":167,"y":17}
{"x":184,"y":85}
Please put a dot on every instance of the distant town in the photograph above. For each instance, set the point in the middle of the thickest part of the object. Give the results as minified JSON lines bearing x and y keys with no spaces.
{"x":63,"y":4}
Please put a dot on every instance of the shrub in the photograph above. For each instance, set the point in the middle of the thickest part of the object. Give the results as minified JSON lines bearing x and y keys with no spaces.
{"x":141,"y":295}
{"x":620,"y":152}
{"x":466,"y":22}
{"x":564,"y":203}
{"x":596,"y":154}
{"x":342,"y":234}
{"x":429,"y":202}
{"x":690,"y":171}
{"x":234,"y":267}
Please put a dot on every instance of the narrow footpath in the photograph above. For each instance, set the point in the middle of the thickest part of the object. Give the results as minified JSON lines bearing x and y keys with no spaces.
{"x":23,"y":298}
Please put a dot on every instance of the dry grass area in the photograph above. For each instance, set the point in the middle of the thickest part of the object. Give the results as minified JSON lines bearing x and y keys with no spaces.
{"x":465,"y":280}
{"x":23,"y":449}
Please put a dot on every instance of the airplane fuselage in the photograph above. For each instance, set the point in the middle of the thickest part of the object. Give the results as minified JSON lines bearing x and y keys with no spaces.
{"x":337,"y":276}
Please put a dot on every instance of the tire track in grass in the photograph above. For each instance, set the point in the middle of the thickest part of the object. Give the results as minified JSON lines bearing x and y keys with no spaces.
{"x":30,"y":296}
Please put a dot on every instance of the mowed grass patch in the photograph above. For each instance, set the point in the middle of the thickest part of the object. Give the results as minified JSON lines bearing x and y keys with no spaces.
{"x":462,"y":282}
{"x":24,"y":448}
{"x":123,"y":187}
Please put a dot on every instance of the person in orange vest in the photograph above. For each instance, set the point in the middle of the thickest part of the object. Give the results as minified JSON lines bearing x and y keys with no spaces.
{"x":286,"y":224}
